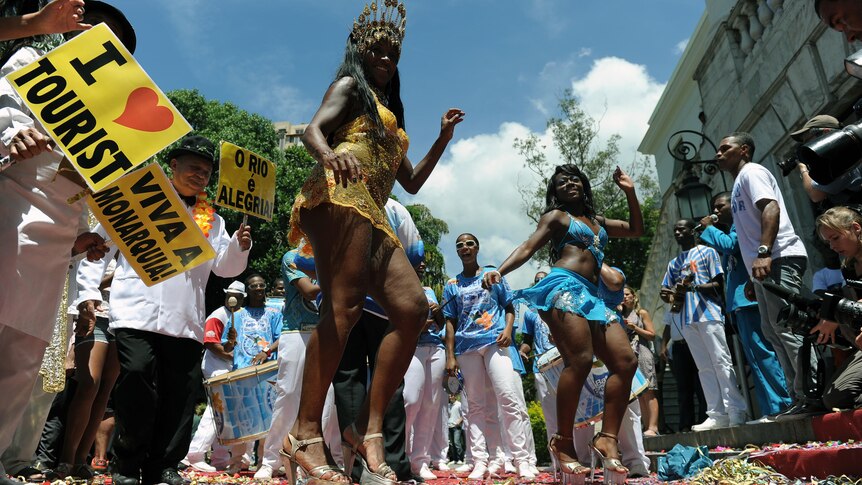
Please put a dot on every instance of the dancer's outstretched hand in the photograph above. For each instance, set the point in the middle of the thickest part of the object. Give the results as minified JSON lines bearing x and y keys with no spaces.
{"x":623,"y":180}
{"x":491,"y":278}
{"x":452,"y":117}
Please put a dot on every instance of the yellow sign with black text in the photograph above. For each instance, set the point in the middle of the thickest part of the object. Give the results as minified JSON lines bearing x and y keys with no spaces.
{"x":150,"y":225}
{"x":246,"y":182}
{"x":99,"y":106}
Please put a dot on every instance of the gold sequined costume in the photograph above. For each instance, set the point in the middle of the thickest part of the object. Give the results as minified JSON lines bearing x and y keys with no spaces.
{"x":368,"y":196}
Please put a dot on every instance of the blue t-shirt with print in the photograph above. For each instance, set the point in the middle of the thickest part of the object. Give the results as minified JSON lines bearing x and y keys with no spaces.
{"x":299,"y":314}
{"x":535,"y":326}
{"x":256,"y":328}
{"x":480,"y":314}
{"x":432,"y":335}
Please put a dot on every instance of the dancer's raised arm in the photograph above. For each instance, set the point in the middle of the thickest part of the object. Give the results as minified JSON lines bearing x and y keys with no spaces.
{"x":634,"y":227}
{"x":549,"y":224}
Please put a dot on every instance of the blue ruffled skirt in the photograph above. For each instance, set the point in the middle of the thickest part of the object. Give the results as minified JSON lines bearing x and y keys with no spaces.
{"x":569,"y":292}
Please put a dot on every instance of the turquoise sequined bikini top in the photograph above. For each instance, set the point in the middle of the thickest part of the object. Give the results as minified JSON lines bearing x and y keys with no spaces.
{"x":579,"y":234}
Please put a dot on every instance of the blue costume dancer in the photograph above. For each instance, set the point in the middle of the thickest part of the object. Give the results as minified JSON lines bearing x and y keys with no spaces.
{"x":568,"y":301}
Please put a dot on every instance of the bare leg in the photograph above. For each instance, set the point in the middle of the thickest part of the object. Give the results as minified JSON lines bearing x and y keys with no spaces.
{"x":110,"y":371}
{"x":89,"y":362}
{"x":103,"y":438}
{"x":341,"y":240}
{"x":612,"y":346}
{"x":649,"y":408}
{"x":572,"y":336}
{"x":395,"y":286}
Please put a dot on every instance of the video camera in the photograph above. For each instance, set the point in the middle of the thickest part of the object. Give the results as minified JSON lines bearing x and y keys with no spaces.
{"x":805,"y":311}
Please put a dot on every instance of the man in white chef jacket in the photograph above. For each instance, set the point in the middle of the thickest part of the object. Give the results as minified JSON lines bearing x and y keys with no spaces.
{"x":159,"y":331}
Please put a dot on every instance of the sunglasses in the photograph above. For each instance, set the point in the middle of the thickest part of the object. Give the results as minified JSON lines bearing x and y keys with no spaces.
{"x":465,"y":244}
{"x":261,"y":286}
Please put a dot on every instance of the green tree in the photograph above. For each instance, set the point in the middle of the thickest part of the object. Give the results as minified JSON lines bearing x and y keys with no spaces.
{"x":574,"y":134}
{"x":225,"y":121}
{"x":431,"y":229}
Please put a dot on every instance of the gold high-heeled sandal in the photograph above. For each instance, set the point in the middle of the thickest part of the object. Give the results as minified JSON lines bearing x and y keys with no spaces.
{"x":315,"y":473}
{"x":368,"y":477}
{"x":610,"y":466}
{"x":571,"y":472}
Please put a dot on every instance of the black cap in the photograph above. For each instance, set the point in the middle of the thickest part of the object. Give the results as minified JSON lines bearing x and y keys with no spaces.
{"x":127,"y":37}
{"x":194,"y":145}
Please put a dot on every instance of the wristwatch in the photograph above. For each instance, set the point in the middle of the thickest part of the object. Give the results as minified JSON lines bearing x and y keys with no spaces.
{"x":763,"y":251}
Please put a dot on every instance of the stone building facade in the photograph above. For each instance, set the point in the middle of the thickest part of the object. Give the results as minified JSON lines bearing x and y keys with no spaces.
{"x":764,"y":67}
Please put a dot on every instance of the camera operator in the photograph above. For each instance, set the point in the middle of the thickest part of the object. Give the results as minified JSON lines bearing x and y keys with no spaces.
{"x":841,"y":229}
{"x":843,"y":189}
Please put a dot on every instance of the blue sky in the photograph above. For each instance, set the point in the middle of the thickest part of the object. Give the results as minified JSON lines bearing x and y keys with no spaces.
{"x":503,"y":62}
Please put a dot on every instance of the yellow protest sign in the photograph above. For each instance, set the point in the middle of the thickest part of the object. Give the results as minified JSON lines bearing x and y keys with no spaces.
{"x":246,"y":182}
{"x":99,"y":106}
{"x":150,"y":225}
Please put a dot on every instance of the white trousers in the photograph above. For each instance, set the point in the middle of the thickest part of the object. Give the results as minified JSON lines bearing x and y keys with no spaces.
{"x":20,"y":452}
{"x":491,"y":367}
{"x":525,"y":423}
{"x":548,"y":399}
{"x":631,"y":441}
{"x":423,"y":400}
{"x":708,"y":347}
{"x":20,"y":360}
{"x":291,"y":363}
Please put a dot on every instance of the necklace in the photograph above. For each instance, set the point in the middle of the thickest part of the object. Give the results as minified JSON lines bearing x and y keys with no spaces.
{"x":381,"y":96}
{"x":203,"y":214}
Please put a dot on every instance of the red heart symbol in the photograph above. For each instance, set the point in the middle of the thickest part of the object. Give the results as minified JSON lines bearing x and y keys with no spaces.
{"x":143,"y":112}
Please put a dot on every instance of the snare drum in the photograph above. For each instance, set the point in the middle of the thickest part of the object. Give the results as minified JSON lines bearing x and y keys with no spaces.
{"x":242,"y":402}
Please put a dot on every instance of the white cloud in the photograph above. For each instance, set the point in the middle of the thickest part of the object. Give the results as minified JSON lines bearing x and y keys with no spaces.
{"x":264,"y":91}
{"x":585,"y":52}
{"x":621,"y":95}
{"x":474,"y":189}
{"x":680,"y":46}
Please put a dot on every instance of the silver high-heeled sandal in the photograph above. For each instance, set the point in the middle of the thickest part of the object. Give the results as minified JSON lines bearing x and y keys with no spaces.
{"x":570,"y":472}
{"x":315,"y":473}
{"x":368,"y":477}
{"x":610,"y":466}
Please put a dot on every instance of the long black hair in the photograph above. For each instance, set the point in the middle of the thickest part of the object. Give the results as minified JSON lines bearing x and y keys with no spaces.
{"x":571,"y":170}
{"x":352,"y":66}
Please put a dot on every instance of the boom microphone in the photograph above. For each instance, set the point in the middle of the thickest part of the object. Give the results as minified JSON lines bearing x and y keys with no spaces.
{"x":714,"y":219}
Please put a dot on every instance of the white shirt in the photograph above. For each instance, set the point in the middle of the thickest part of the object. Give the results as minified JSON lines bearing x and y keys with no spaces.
{"x":754,"y":183}
{"x":173,"y":307}
{"x":455,"y":414}
{"x":34,"y":258}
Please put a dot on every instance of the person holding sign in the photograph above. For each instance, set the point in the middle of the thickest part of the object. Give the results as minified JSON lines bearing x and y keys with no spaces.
{"x":159,"y":332}
{"x":357,"y":138}
{"x":40,"y":235}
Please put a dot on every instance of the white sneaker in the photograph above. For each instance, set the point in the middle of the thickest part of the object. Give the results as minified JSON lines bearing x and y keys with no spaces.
{"x":722,"y":421}
{"x":525,"y":472}
{"x":534,"y":470}
{"x":426,"y":473}
{"x":203,"y":466}
{"x":263,"y":473}
{"x":480,"y":472}
{"x":760,"y":420}
{"x":442,"y":466}
{"x":464,"y":468}
{"x":509,"y":467}
{"x":495,"y":467}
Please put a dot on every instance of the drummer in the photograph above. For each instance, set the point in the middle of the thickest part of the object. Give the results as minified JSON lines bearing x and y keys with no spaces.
{"x":254,"y":340}
{"x":631,"y":438}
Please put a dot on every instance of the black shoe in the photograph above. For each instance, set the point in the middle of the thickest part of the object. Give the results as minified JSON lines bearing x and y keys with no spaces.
{"x":4,"y":480}
{"x":118,"y":479}
{"x":800,"y":411}
{"x":172,"y":477}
